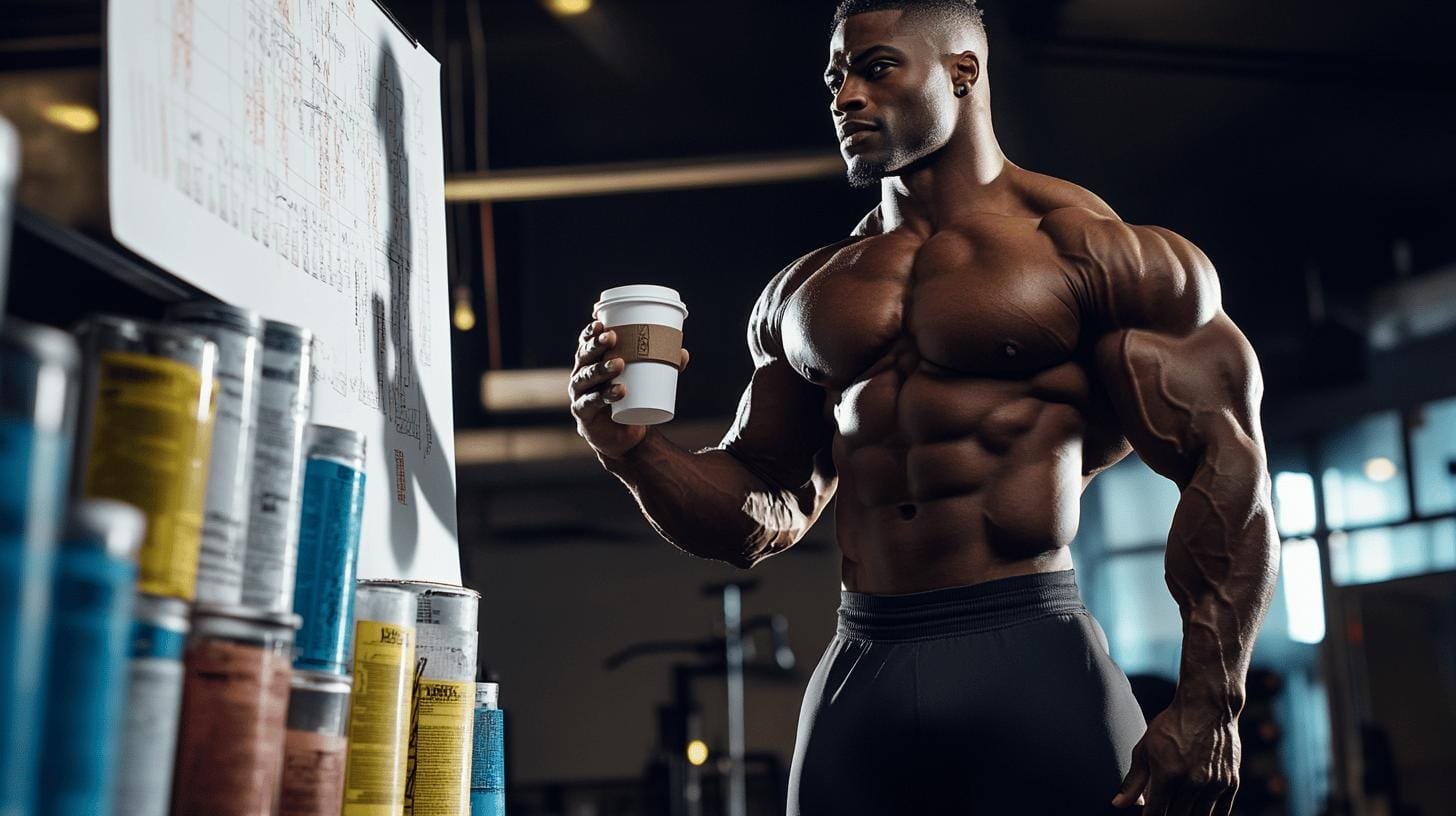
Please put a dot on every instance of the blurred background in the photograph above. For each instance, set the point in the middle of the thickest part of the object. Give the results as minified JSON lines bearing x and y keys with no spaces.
{"x":1304,"y":145}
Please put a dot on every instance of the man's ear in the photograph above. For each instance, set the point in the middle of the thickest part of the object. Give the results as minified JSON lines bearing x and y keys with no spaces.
{"x":965,"y":68}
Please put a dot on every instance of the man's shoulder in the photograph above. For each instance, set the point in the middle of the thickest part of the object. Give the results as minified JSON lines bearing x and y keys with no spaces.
{"x":1049,"y":194}
{"x":768,"y":311}
{"x":1134,"y":275}
{"x":791,"y":277}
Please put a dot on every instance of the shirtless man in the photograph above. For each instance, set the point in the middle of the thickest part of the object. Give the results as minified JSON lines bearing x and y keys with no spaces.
{"x":957,"y":371}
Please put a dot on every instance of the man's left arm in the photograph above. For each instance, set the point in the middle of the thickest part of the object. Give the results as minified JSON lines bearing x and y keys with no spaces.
{"x":1186,"y":386}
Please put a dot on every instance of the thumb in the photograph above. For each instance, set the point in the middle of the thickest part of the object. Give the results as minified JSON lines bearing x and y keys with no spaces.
{"x":1135,"y":783}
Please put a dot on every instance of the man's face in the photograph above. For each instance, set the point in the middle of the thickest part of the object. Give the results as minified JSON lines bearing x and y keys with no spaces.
{"x":893,"y":103}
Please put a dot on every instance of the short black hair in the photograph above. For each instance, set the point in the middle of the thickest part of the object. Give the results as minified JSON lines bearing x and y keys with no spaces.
{"x":965,"y":11}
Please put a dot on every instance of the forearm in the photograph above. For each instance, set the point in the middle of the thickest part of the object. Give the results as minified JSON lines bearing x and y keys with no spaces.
{"x":709,"y":504}
{"x":1222,"y":563}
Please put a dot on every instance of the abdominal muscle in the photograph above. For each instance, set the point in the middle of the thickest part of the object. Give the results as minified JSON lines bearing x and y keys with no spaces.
{"x":953,"y":480}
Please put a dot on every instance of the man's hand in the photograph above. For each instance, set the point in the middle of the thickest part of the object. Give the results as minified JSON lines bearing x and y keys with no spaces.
{"x":1187,"y":764}
{"x":592,"y":394}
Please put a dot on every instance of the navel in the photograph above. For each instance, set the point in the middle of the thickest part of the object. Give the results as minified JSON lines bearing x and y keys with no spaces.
{"x":908,"y":512}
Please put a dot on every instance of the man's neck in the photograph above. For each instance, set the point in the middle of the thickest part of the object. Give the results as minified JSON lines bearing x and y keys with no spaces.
{"x":966,"y":175}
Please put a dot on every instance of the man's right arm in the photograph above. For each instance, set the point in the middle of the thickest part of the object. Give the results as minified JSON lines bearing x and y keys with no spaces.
{"x":754,"y":495}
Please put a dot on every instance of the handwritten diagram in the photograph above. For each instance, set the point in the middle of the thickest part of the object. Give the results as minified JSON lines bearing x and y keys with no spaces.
{"x":285,"y":155}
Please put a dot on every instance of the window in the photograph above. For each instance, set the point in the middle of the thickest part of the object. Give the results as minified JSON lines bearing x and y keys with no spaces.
{"x":1386,"y":553}
{"x":1294,"y":503}
{"x":1433,"y":449}
{"x":1137,"y":505}
{"x":1304,"y":597}
{"x":1144,"y":626}
{"x":1365,"y":472}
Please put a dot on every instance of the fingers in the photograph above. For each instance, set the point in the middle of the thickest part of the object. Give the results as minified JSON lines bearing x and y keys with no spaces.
{"x":1173,"y":798}
{"x":1225,"y":804}
{"x":591,"y":377}
{"x":596,"y":339}
{"x":1157,"y":800}
{"x":589,"y":406}
{"x":593,"y":343}
{"x":1216,"y":800}
{"x":1136,"y":781}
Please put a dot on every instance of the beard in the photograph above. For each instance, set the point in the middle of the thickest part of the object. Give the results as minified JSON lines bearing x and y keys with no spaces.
{"x":864,"y":174}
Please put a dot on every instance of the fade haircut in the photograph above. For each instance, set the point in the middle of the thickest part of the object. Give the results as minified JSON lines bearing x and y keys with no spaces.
{"x":963,"y":12}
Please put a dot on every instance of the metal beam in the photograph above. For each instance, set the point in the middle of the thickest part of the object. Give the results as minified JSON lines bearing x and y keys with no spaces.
{"x":647,"y":177}
{"x":1249,"y":63}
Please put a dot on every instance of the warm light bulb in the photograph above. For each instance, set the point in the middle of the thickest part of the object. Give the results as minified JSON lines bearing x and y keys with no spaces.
{"x":75,"y":118}
{"x":463,"y":316}
{"x":1380,"y":469}
{"x":568,"y":8}
{"x":697,"y":752}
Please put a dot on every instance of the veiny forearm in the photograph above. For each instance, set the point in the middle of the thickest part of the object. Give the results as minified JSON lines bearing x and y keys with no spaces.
{"x":709,"y":503}
{"x":1222,"y":562}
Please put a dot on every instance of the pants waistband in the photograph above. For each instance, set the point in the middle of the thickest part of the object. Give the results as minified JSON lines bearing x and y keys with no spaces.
{"x":958,"y":610}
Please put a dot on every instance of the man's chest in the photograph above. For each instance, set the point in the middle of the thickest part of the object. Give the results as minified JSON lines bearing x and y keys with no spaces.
{"x":991,"y":302}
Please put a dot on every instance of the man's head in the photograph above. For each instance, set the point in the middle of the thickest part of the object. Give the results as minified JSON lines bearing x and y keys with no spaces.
{"x":902,"y":72}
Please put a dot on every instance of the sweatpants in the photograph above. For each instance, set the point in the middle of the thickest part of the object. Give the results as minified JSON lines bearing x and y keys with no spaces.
{"x":997,"y":698}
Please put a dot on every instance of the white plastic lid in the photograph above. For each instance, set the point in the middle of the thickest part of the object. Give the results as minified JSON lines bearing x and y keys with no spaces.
{"x":9,"y":154}
{"x":642,"y":292}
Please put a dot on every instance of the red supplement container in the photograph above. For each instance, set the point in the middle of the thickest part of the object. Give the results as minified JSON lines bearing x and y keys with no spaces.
{"x":238,"y":667}
{"x":316,"y":745}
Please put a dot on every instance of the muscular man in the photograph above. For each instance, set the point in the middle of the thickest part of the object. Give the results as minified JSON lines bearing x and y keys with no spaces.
{"x":956,"y":372}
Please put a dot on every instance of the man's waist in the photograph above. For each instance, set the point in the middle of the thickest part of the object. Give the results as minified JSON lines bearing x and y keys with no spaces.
{"x":959,"y":610}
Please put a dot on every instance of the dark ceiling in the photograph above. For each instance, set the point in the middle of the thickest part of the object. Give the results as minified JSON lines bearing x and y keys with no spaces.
{"x":1281,"y":137}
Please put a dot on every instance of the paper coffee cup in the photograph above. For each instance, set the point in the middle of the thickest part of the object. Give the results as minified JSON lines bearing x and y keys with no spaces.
{"x":648,"y":321}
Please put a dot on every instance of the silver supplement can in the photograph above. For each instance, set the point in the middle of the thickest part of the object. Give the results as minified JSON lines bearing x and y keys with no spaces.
{"x":443,"y":716}
{"x":146,"y":747}
{"x":283,"y":406}
{"x":238,"y":334}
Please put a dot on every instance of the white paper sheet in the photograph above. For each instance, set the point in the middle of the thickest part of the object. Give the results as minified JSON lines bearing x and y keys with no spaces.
{"x":286,"y":156}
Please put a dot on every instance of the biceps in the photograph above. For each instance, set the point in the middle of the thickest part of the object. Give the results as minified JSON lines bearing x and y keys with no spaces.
{"x":781,"y":429}
{"x":1184,"y":399}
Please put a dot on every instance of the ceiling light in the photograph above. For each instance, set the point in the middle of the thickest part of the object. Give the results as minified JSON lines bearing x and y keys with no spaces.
{"x":1380,"y":469}
{"x":568,"y":8}
{"x":463,"y":315}
{"x":75,"y":118}
{"x":697,"y":752}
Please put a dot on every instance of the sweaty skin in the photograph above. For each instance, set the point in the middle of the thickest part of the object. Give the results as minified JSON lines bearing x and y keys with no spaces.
{"x":956,"y":373}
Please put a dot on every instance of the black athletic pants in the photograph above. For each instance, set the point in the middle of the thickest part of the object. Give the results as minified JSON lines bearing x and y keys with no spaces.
{"x":998,"y":698}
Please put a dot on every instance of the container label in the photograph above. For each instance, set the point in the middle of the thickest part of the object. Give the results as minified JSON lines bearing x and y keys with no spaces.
{"x":384,"y":662}
{"x":91,"y":614}
{"x":448,"y":653}
{"x":283,"y":400}
{"x":441,"y":748}
{"x":313,"y":774}
{"x":328,"y":551}
{"x":225,"y":525}
{"x":151,"y":436}
{"x":488,"y":767}
{"x":33,"y":468}
{"x":145,"y":752}
{"x":234,"y":710}
{"x":151,"y":640}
